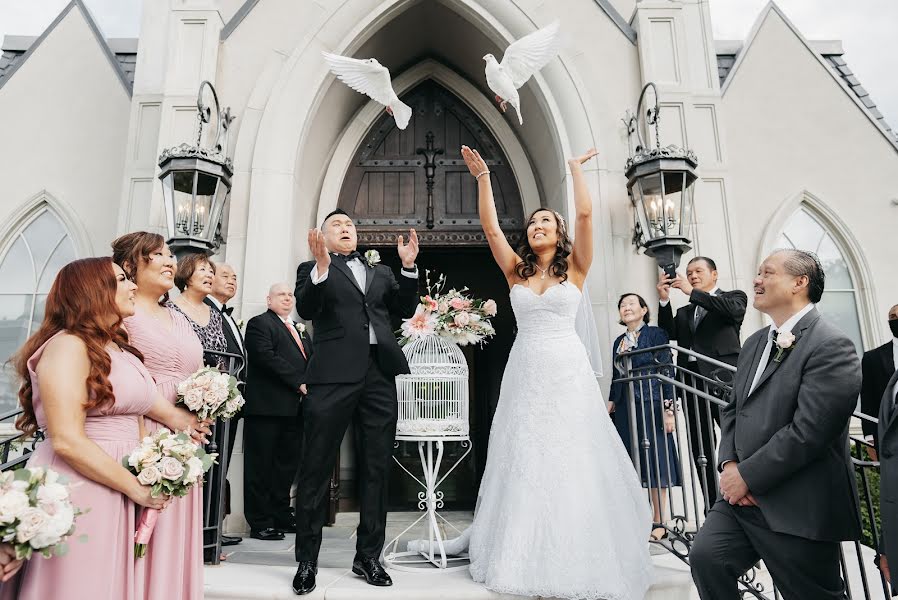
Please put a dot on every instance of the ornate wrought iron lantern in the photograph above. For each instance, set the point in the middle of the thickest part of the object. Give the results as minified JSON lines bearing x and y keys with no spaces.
{"x":659,"y":182}
{"x":196,"y":182}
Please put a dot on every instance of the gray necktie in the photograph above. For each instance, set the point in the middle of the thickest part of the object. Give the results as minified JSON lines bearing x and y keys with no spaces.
{"x":698,"y":316}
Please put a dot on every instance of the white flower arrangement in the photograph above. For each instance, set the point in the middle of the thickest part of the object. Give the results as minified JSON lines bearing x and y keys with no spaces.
{"x":211,"y":394}
{"x":301,"y":328}
{"x":372,"y":257}
{"x":36,"y":514}
{"x":171,"y":464}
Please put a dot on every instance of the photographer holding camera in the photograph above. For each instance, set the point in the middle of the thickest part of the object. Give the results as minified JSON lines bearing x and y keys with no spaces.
{"x":709,"y":325}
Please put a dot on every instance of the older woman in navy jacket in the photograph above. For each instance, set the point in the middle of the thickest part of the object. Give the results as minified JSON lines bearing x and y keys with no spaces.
{"x":655,"y":416}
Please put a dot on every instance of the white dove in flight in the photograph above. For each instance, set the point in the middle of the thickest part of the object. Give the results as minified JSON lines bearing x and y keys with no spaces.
{"x":371,"y":78}
{"x":522,"y":59}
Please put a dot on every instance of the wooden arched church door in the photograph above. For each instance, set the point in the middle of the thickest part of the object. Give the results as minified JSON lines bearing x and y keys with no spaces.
{"x":417,"y":178}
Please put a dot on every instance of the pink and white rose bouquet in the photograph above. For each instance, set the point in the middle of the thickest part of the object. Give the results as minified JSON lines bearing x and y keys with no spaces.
{"x":171,"y":464}
{"x":452,"y":315}
{"x":211,"y":394}
{"x":36,"y":513}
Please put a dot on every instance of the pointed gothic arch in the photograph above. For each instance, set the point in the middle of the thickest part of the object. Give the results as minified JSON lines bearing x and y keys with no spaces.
{"x":806,"y":222}
{"x":34,"y":247}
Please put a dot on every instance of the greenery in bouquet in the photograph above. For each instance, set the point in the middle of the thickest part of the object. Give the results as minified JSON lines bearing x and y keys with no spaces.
{"x":36,"y":513}
{"x":452,"y":315}
{"x":211,"y":394}
{"x":171,"y":463}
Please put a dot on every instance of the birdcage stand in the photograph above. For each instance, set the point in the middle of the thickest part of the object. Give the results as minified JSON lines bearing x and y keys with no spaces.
{"x":430,"y":500}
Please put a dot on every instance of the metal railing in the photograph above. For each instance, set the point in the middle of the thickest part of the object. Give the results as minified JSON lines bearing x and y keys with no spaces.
{"x":15,"y":446}
{"x":681,"y":466}
{"x":215,"y":484}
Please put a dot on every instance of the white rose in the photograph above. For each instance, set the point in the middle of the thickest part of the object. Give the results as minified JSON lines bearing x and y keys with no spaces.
{"x":31,"y":521}
{"x":12,"y":504}
{"x":194,"y":469}
{"x":51,"y":477}
{"x":149,"y":475}
{"x":37,"y":473}
{"x":171,"y":468}
{"x":52,"y":492}
{"x":785,"y":340}
{"x":194,"y":399}
{"x":55,"y":529}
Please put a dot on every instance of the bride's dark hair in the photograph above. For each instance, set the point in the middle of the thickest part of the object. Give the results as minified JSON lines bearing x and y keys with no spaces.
{"x":527,"y":267}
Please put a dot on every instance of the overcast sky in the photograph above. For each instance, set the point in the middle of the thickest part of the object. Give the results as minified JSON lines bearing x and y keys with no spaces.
{"x":867,"y":29}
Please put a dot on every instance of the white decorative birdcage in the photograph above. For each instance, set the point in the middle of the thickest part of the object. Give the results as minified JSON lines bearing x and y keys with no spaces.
{"x":433,"y":398}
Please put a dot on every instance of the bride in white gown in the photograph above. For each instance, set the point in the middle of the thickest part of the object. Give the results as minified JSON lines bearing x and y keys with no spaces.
{"x":560,"y":512}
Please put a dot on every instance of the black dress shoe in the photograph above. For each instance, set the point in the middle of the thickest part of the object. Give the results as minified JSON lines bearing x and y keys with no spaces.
{"x":227,"y":540}
{"x":268,"y":534}
{"x":288,"y":528}
{"x":371,"y":569}
{"x":304,"y":580}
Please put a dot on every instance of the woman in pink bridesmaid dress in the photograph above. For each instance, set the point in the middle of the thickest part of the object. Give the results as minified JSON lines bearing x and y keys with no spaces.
{"x":84,"y":386}
{"x":171,"y":352}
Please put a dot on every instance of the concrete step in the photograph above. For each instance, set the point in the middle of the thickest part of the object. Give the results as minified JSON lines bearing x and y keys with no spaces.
{"x":245,"y":581}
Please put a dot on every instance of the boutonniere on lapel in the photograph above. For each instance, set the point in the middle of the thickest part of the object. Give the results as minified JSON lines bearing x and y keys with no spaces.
{"x":301,"y":328}
{"x":373,"y":257}
{"x":784,"y":343}
{"x":240,"y":324}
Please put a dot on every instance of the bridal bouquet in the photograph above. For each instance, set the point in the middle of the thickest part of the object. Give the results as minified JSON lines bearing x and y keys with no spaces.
{"x":36,"y":514}
{"x":211,"y":394}
{"x":171,"y":463}
{"x":452,"y":315}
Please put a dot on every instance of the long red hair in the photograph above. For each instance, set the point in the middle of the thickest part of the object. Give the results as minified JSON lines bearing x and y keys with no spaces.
{"x":80,"y":302}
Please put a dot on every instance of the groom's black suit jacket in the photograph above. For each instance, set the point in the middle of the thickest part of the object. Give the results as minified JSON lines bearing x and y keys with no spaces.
{"x":790,"y":435}
{"x":341,"y":313}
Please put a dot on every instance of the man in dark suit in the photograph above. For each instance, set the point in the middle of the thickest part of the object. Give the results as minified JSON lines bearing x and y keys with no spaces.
{"x":350,"y":300}
{"x":279,"y":352}
{"x":224,"y":287}
{"x":709,"y":325}
{"x":877,"y":366}
{"x":787,"y":484}
{"x":888,"y":476}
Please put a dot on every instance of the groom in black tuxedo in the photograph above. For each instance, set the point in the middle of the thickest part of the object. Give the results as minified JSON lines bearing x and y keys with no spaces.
{"x":349,"y":299}
{"x":787,"y":484}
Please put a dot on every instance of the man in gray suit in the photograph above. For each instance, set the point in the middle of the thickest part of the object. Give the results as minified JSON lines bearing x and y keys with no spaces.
{"x":888,"y":475}
{"x":787,"y":486}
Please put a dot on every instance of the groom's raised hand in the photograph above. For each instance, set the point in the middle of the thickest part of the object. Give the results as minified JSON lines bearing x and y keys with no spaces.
{"x":319,"y":251}
{"x":408,"y":252}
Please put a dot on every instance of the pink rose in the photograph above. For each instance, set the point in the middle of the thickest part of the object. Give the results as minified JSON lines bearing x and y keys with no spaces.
{"x":457,"y":303}
{"x":430,"y":303}
{"x":444,"y":308}
{"x":490,"y":308}
{"x":462,"y":319}
{"x":171,"y":468}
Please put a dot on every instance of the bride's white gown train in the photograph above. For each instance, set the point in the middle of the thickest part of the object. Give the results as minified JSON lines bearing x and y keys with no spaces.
{"x":560,"y":512}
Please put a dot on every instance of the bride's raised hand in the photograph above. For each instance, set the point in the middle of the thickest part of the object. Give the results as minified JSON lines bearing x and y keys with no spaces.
{"x":579,"y":160}
{"x":476,"y":165}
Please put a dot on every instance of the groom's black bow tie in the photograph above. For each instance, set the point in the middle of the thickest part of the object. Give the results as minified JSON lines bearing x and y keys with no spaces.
{"x":348,"y":257}
{"x":226,"y":310}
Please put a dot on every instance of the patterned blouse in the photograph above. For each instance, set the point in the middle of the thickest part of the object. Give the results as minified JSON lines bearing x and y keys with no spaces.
{"x":211,"y":336}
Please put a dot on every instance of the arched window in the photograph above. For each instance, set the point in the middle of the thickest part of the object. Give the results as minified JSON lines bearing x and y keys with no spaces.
{"x":804,"y":231}
{"x":33,"y":256}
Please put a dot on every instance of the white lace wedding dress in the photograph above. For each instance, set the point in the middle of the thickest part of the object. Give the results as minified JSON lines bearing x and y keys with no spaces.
{"x":560,"y":512}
